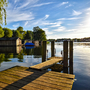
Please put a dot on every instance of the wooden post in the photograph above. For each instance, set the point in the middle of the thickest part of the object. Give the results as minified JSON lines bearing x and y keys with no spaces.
{"x":44,"y":51}
{"x":65,"y":54}
{"x":71,"y":57}
{"x":65,"y":69}
{"x":71,"y":68}
{"x":70,"y":52}
{"x":52,"y":49}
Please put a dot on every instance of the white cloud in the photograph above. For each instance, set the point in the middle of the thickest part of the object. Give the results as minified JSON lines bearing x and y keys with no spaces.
{"x":24,"y":5}
{"x":73,"y":18}
{"x":88,"y":9}
{"x":62,"y":28}
{"x":38,"y":5}
{"x":16,"y":1}
{"x":76,"y":13}
{"x":16,"y":25}
{"x":44,"y":22}
{"x":71,"y":30}
{"x":16,"y":16}
{"x":68,"y":6}
{"x":47,"y":31}
{"x":82,"y":29}
{"x":63,"y":3}
{"x":46,"y":16}
{"x":56,"y":24}
{"x":26,"y":23}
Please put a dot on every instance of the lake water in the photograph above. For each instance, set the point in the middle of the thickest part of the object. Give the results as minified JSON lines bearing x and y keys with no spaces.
{"x":12,"y":56}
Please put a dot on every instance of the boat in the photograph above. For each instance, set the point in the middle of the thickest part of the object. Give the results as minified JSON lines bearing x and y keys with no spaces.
{"x":29,"y":44}
{"x":29,"y":47}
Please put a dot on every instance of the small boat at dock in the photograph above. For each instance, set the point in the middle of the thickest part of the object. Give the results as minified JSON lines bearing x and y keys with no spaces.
{"x":29,"y":44}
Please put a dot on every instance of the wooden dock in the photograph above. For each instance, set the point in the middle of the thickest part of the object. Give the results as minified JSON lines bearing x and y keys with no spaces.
{"x":22,"y":78}
{"x":47,"y":63}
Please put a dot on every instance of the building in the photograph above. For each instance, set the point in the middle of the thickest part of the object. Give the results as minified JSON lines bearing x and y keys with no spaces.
{"x":13,"y":41}
{"x":37,"y":43}
{"x":15,"y":49}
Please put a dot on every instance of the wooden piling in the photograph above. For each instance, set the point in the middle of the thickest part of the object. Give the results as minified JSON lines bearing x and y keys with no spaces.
{"x":65,"y":69}
{"x":44,"y":51}
{"x":52,"y":49}
{"x":71,"y":68}
{"x":71,"y":57}
{"x":70,"y":52}
{"x":65,"y":54}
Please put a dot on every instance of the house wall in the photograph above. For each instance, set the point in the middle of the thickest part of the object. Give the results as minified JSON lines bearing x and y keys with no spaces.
{"x":18,"y":42}
{"x":7,"y":43}
{"x":10,"y":42}
{"x":36,"y":43}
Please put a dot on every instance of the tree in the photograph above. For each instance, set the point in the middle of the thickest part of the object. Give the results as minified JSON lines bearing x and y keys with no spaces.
{"x":39,"y":34}
{"x":28,"y":35}
{"x":2,"y":58}
{"x":20,"y":29}
{"x":23,"y":34}
{"x":1,"y":32}
{"x":7,"y":32}
{"x":35,"y":29}
{"x":3,"y":4}
{"x":16,"y":33}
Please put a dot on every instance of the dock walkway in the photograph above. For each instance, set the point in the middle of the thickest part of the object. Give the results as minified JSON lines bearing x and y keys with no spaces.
{"x":46,"y":64}
{"x":22,"y":78}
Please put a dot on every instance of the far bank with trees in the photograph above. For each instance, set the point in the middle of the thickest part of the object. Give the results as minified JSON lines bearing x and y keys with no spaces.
{"x":36,"y":34}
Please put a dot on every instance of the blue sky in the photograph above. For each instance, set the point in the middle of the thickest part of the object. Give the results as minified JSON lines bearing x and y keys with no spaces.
{"x":58,"y":18}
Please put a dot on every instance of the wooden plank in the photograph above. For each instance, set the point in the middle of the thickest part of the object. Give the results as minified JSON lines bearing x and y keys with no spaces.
{"x":70,"y":76}
{"x":46,"y":64}
{"x":20,"y":78}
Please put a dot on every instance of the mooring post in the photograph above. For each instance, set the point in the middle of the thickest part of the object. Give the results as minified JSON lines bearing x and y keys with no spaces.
{"x":44,"y":51}
{"x":71,"y":57}
{"x":71,"y":68}
{"x":65,"y":54}
{"x":52,"y":49}
{"x":70,"y":52}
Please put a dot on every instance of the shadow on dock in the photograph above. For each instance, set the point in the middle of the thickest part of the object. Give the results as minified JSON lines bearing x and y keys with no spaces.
{"x":22,"y":78}
{"x":33,"y":75}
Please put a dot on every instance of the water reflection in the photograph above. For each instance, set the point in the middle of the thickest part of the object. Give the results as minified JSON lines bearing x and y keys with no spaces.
{"x":32,"y":56}
{"x":20,"y":54}
{"x":16,"y":49}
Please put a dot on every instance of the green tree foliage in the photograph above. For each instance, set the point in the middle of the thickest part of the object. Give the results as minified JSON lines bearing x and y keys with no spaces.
{"x":39,"y":34}
{"x":2,"y":57}
{"x":20,"y":56}
{"x":3,"y":4}
{"x":1,"y":32}
{"x":23,"y":34}
{"x":20,"y":29}
{"x":29,"y":35}
{"x":16,"y":33}
{"x":7,"y":32}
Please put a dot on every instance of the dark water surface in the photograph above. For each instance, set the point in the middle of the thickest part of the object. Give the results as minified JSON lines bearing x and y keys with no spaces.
{"x":12,"y":56}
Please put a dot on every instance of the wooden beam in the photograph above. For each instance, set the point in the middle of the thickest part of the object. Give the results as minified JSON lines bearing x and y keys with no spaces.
{"x":44,"y":51}
{"x":52,"y":49}
{"x":65,"y":54}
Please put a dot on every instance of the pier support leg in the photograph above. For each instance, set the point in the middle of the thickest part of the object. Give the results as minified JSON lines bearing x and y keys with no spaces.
{"x":71,"y":56}
{"x":52,"y":49}
{"x":44,"y":51}
{"x":71,"y":52}
{"x":65,"y":54}
{"x":65,"y":69}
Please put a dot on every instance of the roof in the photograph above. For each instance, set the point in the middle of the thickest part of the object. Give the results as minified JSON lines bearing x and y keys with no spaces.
{"x":12,"y":38}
